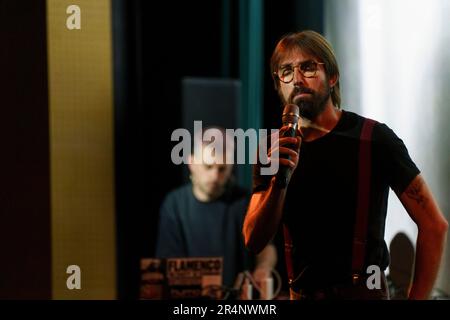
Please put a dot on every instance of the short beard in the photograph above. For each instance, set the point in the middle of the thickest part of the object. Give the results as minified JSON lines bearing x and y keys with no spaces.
{"x":311,"y":108}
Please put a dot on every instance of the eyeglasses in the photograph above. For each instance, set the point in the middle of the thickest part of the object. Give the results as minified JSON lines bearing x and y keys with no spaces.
{"x":307,"y":68}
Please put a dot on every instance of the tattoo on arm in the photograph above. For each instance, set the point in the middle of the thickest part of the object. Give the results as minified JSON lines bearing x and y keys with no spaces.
{"x":415,"y":192}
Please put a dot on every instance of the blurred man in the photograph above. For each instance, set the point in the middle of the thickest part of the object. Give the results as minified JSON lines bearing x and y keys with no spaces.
{"x":334,"y":204}
{"x":204,"y":217}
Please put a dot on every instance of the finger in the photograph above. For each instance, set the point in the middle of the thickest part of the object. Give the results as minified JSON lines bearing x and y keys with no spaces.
{"x":298,"y":143}
{"x":282,"y":150}
{"x":282,"y":162}
{"x":292,"y":159}
{"x":287,"y":151}
{"x":283,"y":129}
{"x":287,"y":162}
{"x":288,"y":140}
{"x":299,"y":133}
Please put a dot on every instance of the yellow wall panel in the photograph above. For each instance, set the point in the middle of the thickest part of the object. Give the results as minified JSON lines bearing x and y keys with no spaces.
{"x":82,"y":149}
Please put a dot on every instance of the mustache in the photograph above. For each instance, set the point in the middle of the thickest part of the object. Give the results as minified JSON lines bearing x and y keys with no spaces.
{"x":298,"y":90}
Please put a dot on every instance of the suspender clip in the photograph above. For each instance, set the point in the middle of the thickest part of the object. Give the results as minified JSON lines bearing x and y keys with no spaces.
{"x":355,"y":278}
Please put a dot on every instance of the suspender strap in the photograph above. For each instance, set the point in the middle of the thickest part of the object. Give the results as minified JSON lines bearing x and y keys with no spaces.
{"x":362,"y":209}
{"x":288,"y":254}
{"x":361,"y":224}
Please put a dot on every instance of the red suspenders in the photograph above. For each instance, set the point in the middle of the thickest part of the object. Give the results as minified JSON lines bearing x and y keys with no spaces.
{"x":362,"y":211}
{"x":288,"y":254}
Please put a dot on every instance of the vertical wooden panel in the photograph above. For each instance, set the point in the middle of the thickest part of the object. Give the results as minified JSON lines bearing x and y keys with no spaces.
{"x":81,"y":149}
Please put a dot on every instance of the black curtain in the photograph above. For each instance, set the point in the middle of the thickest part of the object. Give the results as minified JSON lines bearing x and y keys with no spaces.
{"x":156,"y":44}
{"x":25,"y":232}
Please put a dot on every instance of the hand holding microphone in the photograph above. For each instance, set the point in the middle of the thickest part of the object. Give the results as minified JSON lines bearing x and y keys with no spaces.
{"x":288,"y":145}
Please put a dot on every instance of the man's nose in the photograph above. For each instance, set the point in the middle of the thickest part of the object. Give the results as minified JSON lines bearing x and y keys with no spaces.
{"x":298,"y":76}
{"x":214,"y":174}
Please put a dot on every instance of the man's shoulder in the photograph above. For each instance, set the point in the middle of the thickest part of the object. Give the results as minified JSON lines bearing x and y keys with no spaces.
{"x":178,"y":194}
{"x":356,"y":119}
{"x":381,"y":131}
{"x":349,"y":123}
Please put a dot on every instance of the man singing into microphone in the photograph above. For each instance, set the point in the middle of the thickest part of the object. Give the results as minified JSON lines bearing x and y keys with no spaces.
{"x":341,"y":166}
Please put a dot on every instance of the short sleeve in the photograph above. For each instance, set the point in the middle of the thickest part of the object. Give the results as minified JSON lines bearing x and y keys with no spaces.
{"x":397,"y":163}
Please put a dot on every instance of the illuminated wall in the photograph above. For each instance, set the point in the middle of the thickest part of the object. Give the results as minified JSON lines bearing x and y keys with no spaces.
{"x":395,"y":65}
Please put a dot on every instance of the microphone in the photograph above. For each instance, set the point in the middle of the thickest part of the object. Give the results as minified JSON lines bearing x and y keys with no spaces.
{"x":290,"y":117}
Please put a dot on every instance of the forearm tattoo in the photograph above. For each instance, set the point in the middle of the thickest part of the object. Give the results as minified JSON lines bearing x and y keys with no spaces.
{"x":415,"y":192}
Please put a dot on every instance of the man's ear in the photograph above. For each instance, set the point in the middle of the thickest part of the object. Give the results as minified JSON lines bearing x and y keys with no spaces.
{"x":333,"y":80}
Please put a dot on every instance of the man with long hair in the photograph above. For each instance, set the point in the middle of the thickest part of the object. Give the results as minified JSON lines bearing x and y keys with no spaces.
{"x":333,"y":208}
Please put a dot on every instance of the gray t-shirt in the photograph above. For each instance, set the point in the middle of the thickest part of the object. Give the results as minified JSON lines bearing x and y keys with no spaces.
{"x":190,"y":228}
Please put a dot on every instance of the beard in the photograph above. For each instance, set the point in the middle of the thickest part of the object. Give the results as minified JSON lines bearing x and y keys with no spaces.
{"x":310,"y":106}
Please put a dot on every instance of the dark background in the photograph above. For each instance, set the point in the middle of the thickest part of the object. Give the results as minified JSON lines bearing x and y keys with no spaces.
{"x":155,"y":46}
{"x":24,"y":159}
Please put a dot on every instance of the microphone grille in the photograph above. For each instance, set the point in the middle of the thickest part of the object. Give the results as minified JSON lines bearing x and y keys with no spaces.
{"x":291,"y":114}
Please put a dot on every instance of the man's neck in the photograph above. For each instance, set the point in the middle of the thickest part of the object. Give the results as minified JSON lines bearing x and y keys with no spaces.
{"x":203,"y":196}
{"x":200,"y":195}
{"x":324,"y":123}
